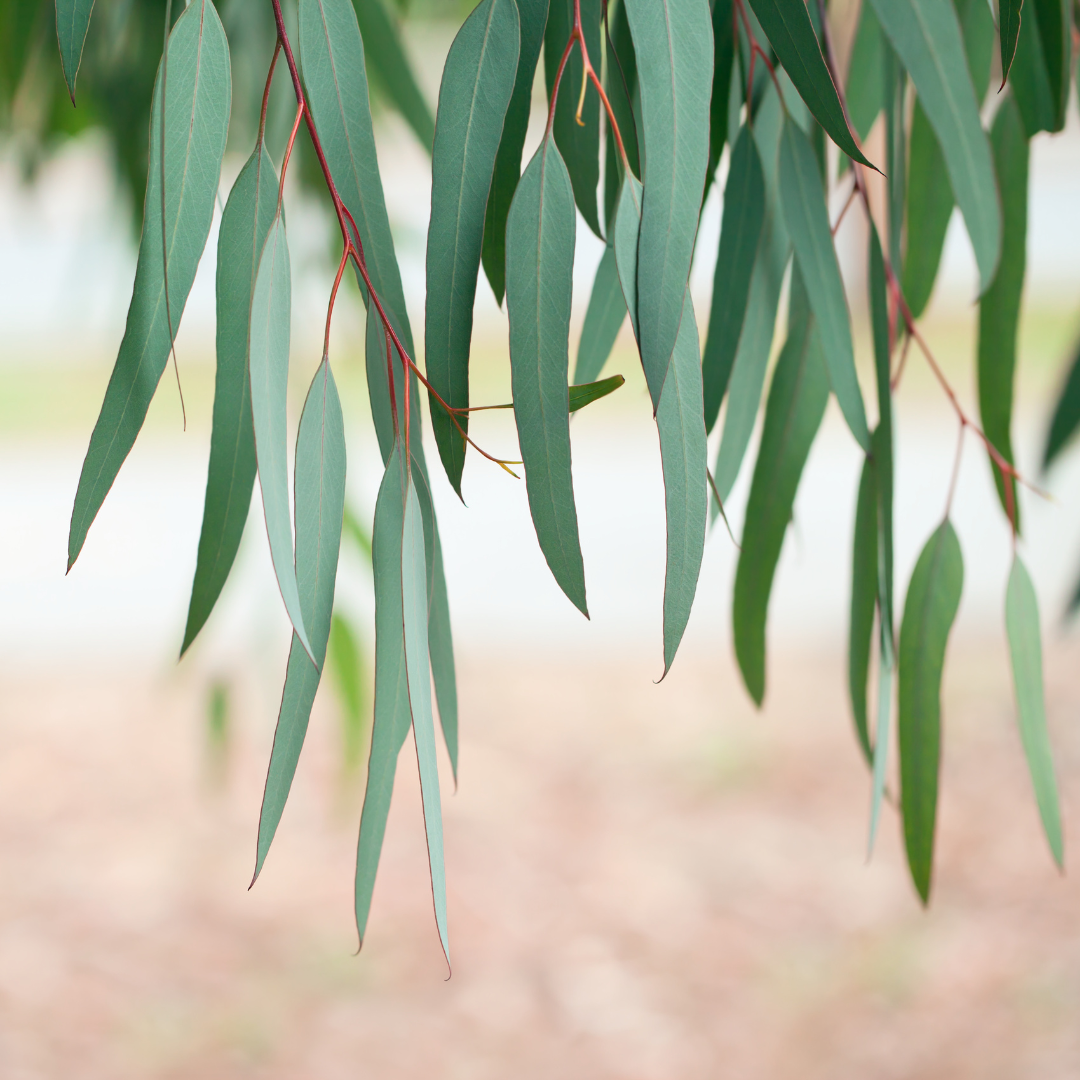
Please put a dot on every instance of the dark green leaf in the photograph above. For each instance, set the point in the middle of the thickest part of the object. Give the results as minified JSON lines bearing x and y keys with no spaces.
{"x":684,"y":455}
{"x":864,"y":585}
{"x":621,"y":83}
{"x":866,"y":73}
{"x":533,"y":17}
{"x":791,"y":34}
{"x":231,"y":473}
{"x":583,"y":394}
{"x":807,"y":218}
{"x":1055,"y":30}
{"x":385,"y":54}
{"x":723,"y":23}
{"x":925,"y":34}
{"x":999,"y":308}
{"x":345,"y":662}
{"x":882,"y":441}
{"x":1030,"y":79}
{"x":881,"y":746}
{"x":674,"y":49}
{"x":603,"y":320}
{"x":793,"y":414}
{"x":740,"y":233}
{"x":579,"y":144}
{"x":320,"y":503}
{"x":477,"y":82}
{"x":199,"y":94}
{"x":72,"y":22}
{"x":1066,"y":417}
{"x":1008,"y":29}
{"x":929,"y":610}
{"x":1025,"y":646}
{"x":539,"y":278}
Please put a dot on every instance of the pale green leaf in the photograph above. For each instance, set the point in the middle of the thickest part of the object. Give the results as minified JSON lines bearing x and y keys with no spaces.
{"x":603,"y":319}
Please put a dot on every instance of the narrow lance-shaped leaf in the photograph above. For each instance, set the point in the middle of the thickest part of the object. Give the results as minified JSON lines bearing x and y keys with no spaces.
{"x":268,"y":370}
{"x":603,"y":319}
{"x":196,"y":124}
{"x":539,"y":273}
{"x":1066,"y":416}
{"x":1009,"y":12}
{"x":320,"y":504}
{"x":532,"y":16}
{"x":1055,"y":29}
{"x":791,"y":34}
{"x":1025,"y":647}
{"x":385,"y":53}
{"x":932,"y":601}
{"x":579,"y":144}
{"x":864,"y":585}
{"x":723,"y":23}
{"x":627,"y":233}
{"x":72,"y":22}
{"x":881,"y":744}
{"x":1030,"y":78}
{"x":620,"y":81}
{"x":866,"y":76}
{"x":684,"y":455}
{"x":477,"y":82}
{"x":231,"y":473}
{"x":807,"y":218}
{"x":796,"y":406}
{"x":925,"y":33}
{"x":999,"y":308}
{"x":674,"y":48}
{"x":740,"y":235}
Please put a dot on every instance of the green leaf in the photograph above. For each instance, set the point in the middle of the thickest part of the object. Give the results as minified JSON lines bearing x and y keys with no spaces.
{"x":881,"y":442}
{"x":881,"y":747}
{"x":477,"y":83}
{"x":268,"y":368}
{"x":674,"y":48}
{"x":807,"y":218}
{"x":791,"y":34}
{"x":866,"y":83}
{"x":926,"y":33}
{"x":583,"y":394}
{"x":684,"y":455}
{"x":539,"y":278}
{"x":385,"y":53}
{"x":332,"y":60}
{"x":1025,"y":646}
{"x":1030,"y":79}
{"x":196,"y":122}
{"x":1055,"y":31}
{"x":72,"y":22}
{"x":1066,"y":416}
{"x":231,"y":473}
{"x":320,"y":503}
{"x":999,"y":308}
{"x":740,"y":235}
{"x":627,"y":235}
{"x":533,"y":17}
{"x":932,"y":601}
{"x":579,"y":144}
{"x":723,"y":24}
{"x":620,"y":81}
{"x":603,"y":320}
{"x":415,"y":611}
{"x":864,"y":586}
{"x":345,"y":661}
{"x":1008,"y":30}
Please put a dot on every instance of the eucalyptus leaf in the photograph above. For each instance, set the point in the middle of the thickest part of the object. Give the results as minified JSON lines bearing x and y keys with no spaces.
{"x":881,"y":443}
{"x":603,"y":319}
{"x":1066,"y":418}
{"x":723,"y":23}
{"x":1030,"y":79}
{"x":620,"y":80}
{"x":627,"y":235}
{"x":1008,"y":30}
{"x":864,"y":588}
{"x":346,"y":664}
{"x":866,"y":73}
{"x":72,"y":22}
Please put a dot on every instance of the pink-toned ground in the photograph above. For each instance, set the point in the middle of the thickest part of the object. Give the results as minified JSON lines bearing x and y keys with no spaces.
{"x":644,"y":882}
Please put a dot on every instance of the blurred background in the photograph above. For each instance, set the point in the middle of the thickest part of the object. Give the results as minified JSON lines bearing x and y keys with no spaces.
{"x":644,"y":880}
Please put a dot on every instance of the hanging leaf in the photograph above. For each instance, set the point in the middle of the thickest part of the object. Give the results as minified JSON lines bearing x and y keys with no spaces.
{"x":477,"y":83}
{"x":740,"y":235}
{"x":925,"y":33}
{"x":533,"y":17}
{"x":791,"y":34}
{"x":345,"y":662}
{"x":1055,"y":29}
{"x":866,"y":70}
{"x":807,"y":218}
{"x":1008,"y":29}
{"x":579,"y":144}
{"x":586,"y":393}
{"x":932,"y":601}
{"x":72,"y":22}
{"x":620,"y":81}
{"x":723,"y":23}
{"x":603,"y":320}
{"x":864,"y":584}
{"x":231,"y":474}
{"x":199,"y":95}
{"x":320,"y":504}
{"x":674,"y":49}
{"x":881,"y":748}
{"x":1066,"y":416}
{"x":539,"y":279}
{"x":1030,"y":78}
{"x":999,"y":308}
{"x":1025,"y":646}
{"x":627,"y":235}
{"x":684,"y":454}
{"x":385,"y":54}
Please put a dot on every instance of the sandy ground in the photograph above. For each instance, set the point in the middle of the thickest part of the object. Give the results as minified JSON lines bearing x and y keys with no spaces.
{"x":644,"y":882}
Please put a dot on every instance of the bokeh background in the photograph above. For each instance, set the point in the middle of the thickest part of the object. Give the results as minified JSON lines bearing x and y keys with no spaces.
{"x":651,"y":881}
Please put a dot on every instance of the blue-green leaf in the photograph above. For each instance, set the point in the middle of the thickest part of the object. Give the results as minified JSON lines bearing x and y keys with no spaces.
{"x":477,"y":82}
{"x":627,"y":233}
{"x":674,"y":47}
{"x":807,"y":218}
{"x":533,"y":18}
{"x":72,"y":22}
{"x":603,"y":319}
{"x":864,"y":587}
{"x":740,"y":235}
{"x":620,"y":80}
{"x":583,"y":394}
{"x":926,"y":34}
{"x":231,"y":473}
{"x":320,"y":504}
{"x":932,"y":601}
{"x":882,"y":440}
{"x":196,"y":124}
{"x":539,"y":278}
{"x":1025,"y":647}
{"x":723,"y":24}
{"x":1066,"y":416}
{"x":866,"y":75}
